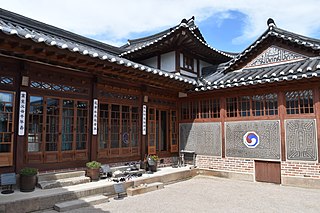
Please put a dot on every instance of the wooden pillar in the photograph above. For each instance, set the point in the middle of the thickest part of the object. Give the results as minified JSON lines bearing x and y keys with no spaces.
{"x":143,"y":101}
{"x":282,"y":113}
{"x":178,"y":61}
{"x":93,"y":140}
{"x":223,"y":118}
{"x":316,"y":98}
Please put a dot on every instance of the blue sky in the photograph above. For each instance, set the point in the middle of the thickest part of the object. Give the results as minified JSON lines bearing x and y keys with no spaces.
{"x":229,"y":25}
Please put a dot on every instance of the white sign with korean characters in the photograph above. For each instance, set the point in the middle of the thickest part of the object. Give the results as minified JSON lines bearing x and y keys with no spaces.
{"x":95,"y":117}
{"x":144,"y":120}
{"x":22,"y":112}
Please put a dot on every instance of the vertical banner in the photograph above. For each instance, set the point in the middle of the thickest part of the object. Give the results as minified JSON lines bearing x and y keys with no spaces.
{"x":22,"y":112}
{"x":144,"y":120}
{"x":95,"y":117}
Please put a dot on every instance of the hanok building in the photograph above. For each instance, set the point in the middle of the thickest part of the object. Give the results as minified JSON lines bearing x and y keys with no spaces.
{"x":66,"y":100}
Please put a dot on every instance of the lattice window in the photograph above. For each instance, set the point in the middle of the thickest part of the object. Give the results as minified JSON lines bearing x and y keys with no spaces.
{"x":185,"y":110}
{"x":214,"y":108}
{"x":35,"y":125}
{"x":82,"y":125}
{"x":135,"y":127}
{"x":6,"y":80}
{"x":52,"y":125}
{"x":232,"y":107}
{"x":67,"y":124}
{"x":115,"y":126}
{"x":162,"y":102}
{"x":187,"y":63}
{"x":299,"y":102}
{"x":104,"y":126}
{"x":271,"y":104}
{"x":244,"y":106}
{"x":58,"y":87}
{"x":194,"y":109}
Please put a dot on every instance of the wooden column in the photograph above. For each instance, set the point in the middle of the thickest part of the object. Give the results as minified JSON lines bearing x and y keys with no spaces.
{"x":282,"y":113}
{"x":93,"y":140}
{"x":143,"y":145}
{"x":316,"y":98}
{"x":178,"y":61}
{"x":223,"y":118}
{"x":20,"y":145}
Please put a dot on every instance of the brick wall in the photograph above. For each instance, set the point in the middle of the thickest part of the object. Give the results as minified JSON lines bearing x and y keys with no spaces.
{"x":229,"y":164}
{"x":300,"y":169}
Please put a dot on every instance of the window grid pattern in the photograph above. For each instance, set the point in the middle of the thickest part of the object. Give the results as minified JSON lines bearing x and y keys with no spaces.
{"x":261,"y":105}
{"x":299,"y":102}
{"x":204,"y":109}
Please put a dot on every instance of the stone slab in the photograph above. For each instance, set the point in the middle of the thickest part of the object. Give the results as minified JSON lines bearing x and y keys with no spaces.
{"x":80,"y":203}
{"x":225,"y":174}
{"x":63,"y":182}
{"x":301,"y":182}
{"x":144,"y":188}
{"x":57,"y":176}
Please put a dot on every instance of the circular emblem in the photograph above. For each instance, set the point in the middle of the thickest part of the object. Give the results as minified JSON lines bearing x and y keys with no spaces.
{"x":251,"y":139}
{"x":125,"y":138}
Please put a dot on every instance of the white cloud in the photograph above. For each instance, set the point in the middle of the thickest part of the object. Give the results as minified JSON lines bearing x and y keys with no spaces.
{"x":117,"y":20}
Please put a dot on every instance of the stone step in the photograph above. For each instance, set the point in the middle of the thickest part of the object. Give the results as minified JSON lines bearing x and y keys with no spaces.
{"x":80,"y":203}
{"x":57,"y":176}
{"x":63,"y":182}
{"x":144,"y":188}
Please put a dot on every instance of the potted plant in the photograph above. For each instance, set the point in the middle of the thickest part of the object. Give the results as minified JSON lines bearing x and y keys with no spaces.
{"x":28,"y":179}
{"x":93,"y":170}
{"x":152,"y":162}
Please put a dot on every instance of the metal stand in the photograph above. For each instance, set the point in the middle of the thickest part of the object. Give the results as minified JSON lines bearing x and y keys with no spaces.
{"x":8,"y":191}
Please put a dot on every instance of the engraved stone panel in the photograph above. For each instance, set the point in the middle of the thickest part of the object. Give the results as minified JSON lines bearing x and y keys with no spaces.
{"x":269,"y":136}
{"x":301,"y":139}
{"x":203,"y":138}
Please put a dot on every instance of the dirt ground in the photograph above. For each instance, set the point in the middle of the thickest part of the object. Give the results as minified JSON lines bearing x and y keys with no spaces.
{"x":211,"y":194}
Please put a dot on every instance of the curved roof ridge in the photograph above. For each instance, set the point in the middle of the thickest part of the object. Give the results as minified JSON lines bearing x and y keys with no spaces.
{"x":273,"y":30}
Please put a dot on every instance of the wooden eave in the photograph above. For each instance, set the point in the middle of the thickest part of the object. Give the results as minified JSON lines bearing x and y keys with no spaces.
{"x":40,"y":52}
{"x":180,"y":39}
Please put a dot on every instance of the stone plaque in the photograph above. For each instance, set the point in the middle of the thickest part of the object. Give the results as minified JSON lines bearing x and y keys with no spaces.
{"x":203,"y":138}
{"x":269,"y":139}
{"x":301,"y":140}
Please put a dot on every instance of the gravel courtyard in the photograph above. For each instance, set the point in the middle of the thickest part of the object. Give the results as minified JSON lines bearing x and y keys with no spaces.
{"x":211,"y":194}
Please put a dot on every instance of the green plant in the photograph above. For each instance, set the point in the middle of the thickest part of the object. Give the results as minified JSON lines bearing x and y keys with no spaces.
{"x":27,"y":171}
{"x":154,"y":157}
{"x":93,"y":165}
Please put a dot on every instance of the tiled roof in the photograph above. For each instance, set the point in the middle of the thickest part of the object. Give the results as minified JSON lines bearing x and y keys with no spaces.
{"x":16,"y":25}
{"x":139,"y":44}
{"x":307,"y":68}
{"x":274,"y":31}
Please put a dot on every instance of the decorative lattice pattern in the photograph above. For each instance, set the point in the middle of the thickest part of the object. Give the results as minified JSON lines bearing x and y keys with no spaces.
{"x":269,"y":139}
{"x":203,"y":138}
{"x":6,"y":80}
{"x":114,"y":95}
{"x":301,"y":139}
{"x":58,"y":87}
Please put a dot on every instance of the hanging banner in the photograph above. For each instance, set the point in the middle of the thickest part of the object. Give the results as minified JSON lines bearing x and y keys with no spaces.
{"x":95,"y":117}
{"x":144,"y":120}
{"x":22,"y":112}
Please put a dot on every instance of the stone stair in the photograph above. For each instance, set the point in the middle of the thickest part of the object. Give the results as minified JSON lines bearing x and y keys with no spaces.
{"x":80,"y":203}
{"x":55,"y":180}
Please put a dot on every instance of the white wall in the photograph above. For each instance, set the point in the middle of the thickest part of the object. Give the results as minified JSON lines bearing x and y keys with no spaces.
{"x":168,"y":61}
{"x":152,"y":62}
